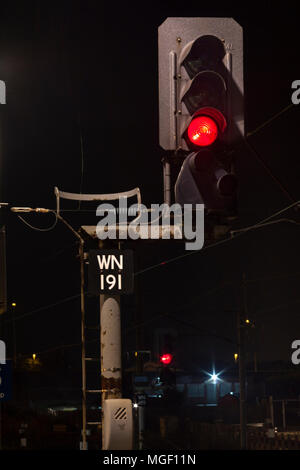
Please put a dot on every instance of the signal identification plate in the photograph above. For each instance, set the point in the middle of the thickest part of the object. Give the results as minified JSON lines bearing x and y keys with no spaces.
{"x":110,"y":272}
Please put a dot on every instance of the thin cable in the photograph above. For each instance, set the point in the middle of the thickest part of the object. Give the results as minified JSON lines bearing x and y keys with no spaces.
{"x":190,"y":253}
{"x":56,"y":348}
{"x":37,"y":228}
{"x":192,"y":325}
{"x":240,"y":232}
{"x":204,"y":332}
{"x":273,"y":278}
{"x":269,"y":171}
{"x":50,"y":256}
{"x":258,"y":224}
{"x":263,"y":312}
{"x":268,"y":223}
{"x":236,"y":233}
{"x":45,"y":307}
{"x":196,"y":299}
{"x":250,"y":134}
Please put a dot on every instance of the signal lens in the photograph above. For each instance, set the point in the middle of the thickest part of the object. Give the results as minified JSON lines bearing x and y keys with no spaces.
{"x":202,"y":131}
{"x":166,"y":359}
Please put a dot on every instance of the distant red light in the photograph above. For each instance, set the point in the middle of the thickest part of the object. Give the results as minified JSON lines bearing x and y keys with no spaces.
{"x":166,"y":359}
{"x":202,"y":131}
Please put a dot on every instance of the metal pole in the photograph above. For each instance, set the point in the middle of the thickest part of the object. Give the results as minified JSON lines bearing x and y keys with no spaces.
{"x":255,"y":360}
{"x":110,"y":340}
{"x":82,"y":309}
{"x":271,"y":410}
{"x":83,"y":364}
{"x":242,"y":369}
{"x":243,"y":425}
{"x":14,"y":335}
{"x":0,"y":425}
{"x":283,"y":415}
{"x":167,"y":182}
{"x":141,"y":414}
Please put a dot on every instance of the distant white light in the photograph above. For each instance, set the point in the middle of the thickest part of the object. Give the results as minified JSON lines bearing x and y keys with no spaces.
{"x":214,"y":377}
{"x":135,"y":405}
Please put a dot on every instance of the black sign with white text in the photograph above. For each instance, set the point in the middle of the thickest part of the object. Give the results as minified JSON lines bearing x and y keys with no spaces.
{"x":110,"y":272}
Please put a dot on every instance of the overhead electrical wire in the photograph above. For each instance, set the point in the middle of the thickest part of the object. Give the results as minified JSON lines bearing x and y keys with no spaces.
{"x":261,"y":126}
{"x":258,"y":157}
{"x":240,"y":232}
{"x":234,"y":233}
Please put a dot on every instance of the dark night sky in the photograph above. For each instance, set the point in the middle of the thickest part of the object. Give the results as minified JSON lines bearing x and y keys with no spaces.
{"x":68,"y":59}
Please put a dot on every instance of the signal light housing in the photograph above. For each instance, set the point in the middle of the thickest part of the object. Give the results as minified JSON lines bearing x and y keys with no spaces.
{"x":166,"y":359}
{"x":203,"y":180}
{"x":201,"y":110}
{"x":227,"y":184}
{"x":200,"y":64}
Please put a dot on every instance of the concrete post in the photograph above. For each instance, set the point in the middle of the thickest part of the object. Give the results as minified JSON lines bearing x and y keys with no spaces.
{"x":110,"y":335}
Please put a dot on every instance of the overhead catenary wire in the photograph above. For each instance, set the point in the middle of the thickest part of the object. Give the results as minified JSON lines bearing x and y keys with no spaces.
{"x":234,"y":235}
{"x":263,"y":223}
{"x":45,"y":307}
{"x":195,"y":298}
{"x":269,"y":171}
{"x":272,"y":278}
{"x":272,"y":118}
{"x":235,"y":232}
{"x":260,"y":160}
{"x":167,"y":314}
{"x":240,"y":232}
{"x":261,"y":313}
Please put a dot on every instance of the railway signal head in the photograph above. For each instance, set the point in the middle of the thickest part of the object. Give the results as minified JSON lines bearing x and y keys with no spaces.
{"x":166,"y":359}
{"x":201,"y":105}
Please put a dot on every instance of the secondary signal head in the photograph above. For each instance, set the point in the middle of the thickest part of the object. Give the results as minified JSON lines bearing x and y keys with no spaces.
{"x":166,"y":359}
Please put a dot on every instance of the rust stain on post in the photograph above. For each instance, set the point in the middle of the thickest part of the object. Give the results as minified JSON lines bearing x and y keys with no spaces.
{"x":112,"y":385}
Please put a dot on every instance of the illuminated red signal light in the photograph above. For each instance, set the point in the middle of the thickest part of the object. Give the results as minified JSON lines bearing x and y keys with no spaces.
{"x":202,"y":131}
{"x":166,"y":359}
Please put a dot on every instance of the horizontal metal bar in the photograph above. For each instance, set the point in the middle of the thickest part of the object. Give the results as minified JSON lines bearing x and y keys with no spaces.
{"x":94,"y":422}
{"x":96,"y":197}
{"x":161,"y":231}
